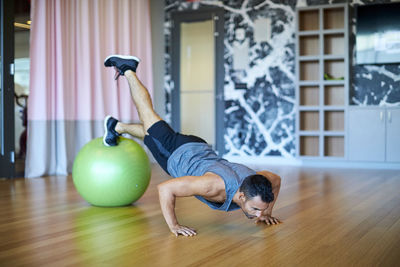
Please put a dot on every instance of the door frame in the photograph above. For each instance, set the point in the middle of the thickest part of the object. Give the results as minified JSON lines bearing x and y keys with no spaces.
{"x":178,"y":17}
{"x":7,"y":154}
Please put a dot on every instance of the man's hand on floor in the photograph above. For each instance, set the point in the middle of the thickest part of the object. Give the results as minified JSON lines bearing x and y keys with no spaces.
{"x":268,"y":219}
{"x":183,"y":230}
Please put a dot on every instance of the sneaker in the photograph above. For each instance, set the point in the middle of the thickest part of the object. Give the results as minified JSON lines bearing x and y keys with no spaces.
{"x":110,"y":137}
{"x":122,"y":63}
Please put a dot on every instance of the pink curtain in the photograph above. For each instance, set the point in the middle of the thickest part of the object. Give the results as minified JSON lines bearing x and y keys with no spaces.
{"x":70,"y":89}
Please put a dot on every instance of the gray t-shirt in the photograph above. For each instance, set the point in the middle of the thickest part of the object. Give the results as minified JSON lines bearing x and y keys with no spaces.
{"x":195,"y":159}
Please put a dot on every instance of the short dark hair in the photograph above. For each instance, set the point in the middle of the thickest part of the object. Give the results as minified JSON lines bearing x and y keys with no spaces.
{"x":257,"y":185}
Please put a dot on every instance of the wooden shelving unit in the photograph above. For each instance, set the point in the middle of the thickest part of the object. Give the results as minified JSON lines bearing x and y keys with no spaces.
{"x":322,"y":69}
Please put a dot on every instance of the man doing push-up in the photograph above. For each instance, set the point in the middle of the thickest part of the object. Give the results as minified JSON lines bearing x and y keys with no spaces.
{"x":197,"y":169}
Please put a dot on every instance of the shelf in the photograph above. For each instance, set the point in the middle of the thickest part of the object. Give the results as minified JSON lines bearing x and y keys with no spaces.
{"x":334,"y":95}
{"x":309,"y":133}
{"x":309,"y":20}
{"x":334,"y":121}
{"x":309,"y":83}
{"x":309,"y":70}
{"x":309,"y":108}
{"x":309,"y":120}
{"x":333,"y":57}
{"x":333,"y":108}
{"x":309,"y":95}
{"x":333,"y":82}
{"x":334,"y":68}
{"x":311,"y":158}
{"x":324,"y":82}
{"x":308,"y":58}
{"x":309,"y":45}
{"x":308,"y":33}
{"x":334,"y":31}
{"x":334,"y":44}
{"x":334,"y":18}
{"x":309,"y":146}
{"x":333,"y":133}
{"x":322,"y":59}
{"x":334,"y":146}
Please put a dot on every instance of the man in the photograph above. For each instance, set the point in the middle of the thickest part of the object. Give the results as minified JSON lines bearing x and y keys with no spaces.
{"x":197,"y":170}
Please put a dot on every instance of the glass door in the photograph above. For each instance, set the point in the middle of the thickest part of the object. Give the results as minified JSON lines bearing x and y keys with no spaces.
{"x":197,"y":81}
{"x":197,"y":101}
{"x":7,"y":155}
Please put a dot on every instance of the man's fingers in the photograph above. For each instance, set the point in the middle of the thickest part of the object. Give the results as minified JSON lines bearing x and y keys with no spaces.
{"x":180,"y":232}
{"x":276,"y":220}
{"x":188,"y":233}
{"x":183,"y":232}
{"x":268,"y":220}
{"x":194,"y":230}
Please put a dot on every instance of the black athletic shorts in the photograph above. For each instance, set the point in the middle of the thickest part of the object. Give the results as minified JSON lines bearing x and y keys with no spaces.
{"x":162,"y":140}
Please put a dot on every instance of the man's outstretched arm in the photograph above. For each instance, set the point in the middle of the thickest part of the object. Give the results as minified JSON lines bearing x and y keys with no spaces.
{"x":180,"y":187}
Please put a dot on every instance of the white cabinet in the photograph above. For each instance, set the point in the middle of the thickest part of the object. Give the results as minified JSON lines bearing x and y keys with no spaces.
{"x":366,"y":134}
{"x":374,"y":134}
{"x":393,"y":135}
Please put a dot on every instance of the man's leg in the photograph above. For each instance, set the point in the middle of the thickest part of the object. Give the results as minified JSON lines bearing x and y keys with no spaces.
{"x":142,"y":100}
{"x":135,"y":130}
{"x":126,"y":66}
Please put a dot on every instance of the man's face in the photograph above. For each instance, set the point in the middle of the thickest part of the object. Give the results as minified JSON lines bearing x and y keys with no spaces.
{"x":254,"y":207}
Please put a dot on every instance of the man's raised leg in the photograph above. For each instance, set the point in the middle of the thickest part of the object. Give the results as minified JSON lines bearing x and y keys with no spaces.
{"x":126,"y":66}
{"x":142,"y":99}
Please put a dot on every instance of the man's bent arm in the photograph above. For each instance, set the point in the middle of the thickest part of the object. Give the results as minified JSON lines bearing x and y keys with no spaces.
{"x":276,"y":186}
{"x":167,"y":203}
{"x":180,"y":187}
{"x":275,"y":191}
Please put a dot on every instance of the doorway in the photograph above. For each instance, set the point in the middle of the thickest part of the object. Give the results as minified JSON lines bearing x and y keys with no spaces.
{"x":197,"y":102}
{"x":14,"y":85}
{"x":22,"y":20}
{"x":7,"y":155}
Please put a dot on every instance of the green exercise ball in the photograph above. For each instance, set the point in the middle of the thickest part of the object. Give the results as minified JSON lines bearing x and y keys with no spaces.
{"x":111,"y":176}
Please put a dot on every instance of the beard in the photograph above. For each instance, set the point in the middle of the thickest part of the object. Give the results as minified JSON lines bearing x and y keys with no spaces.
{"x":249,"y":216}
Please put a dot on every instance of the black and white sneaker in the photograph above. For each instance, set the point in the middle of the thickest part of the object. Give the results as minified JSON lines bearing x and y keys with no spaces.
{"x":110,"y":137}
{"x":122,"y":63}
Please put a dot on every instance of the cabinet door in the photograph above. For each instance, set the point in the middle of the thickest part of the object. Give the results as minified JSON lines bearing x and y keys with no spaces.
{"x":366,"y":134}
{"x":393,"y":135}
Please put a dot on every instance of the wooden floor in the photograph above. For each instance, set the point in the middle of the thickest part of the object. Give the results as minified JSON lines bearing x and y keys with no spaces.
{"x":331,"y":217}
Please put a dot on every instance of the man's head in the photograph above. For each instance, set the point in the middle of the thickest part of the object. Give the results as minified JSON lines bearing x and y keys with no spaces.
{"x":255,"y":194}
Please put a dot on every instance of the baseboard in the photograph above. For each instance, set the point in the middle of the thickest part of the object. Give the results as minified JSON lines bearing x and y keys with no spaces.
{"x":265,"y":161}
